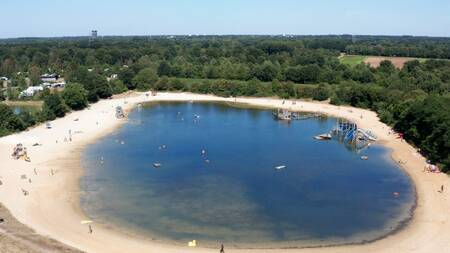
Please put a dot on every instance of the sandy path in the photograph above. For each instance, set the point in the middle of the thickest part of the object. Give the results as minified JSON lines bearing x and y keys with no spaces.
{"x":52,"y":206}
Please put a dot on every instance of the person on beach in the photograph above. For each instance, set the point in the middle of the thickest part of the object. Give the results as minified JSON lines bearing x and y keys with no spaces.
{"x":442,"y":189}
{"x":90,"y":229}
{"x":222,"y":249}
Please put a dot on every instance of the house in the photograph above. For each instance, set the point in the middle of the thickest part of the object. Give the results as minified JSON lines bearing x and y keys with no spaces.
{"x":58,"y":84}
{"x":46,"y":85}
{"x":30,"y":91}
{"x":49,"y":77}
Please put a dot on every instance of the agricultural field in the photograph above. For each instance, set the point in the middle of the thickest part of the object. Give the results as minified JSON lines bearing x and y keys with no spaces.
{"x":374,"y":61}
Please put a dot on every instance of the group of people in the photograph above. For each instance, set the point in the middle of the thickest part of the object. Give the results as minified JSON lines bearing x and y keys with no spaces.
{"x":431,"y":168}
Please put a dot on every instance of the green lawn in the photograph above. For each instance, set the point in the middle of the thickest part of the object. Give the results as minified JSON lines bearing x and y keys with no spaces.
{"x":352,"y":60}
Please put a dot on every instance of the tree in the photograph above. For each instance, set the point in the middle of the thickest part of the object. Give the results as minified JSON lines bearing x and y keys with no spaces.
{"x":9,"y":122}
{"x":75,"y":96}
{"x":321,"y":93}
{"x":386,"y":67}
{"x":177,"y":84}
{"x":145,"y":79}
{"x":266,"y":72}
{"x":97,"y":87}
{"x":54,"y":106}
{"x":35,"y":75}
{"x":126,"y":76}
{"x":102,"y":87}
{"x":304,"y":74}
{"x":251,"y":88}
{"x":117,"y":86}
{"x":164,"y":69}
{"x":163,"y":84}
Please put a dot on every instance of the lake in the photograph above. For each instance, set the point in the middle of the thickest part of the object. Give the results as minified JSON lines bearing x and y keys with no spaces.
{"x":217,"y":180}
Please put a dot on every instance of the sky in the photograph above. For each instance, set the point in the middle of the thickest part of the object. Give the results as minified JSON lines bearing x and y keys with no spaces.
{"x":56,"y":18}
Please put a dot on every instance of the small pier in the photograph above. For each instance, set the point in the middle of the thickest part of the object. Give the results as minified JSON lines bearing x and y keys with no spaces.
{"x":286,"y":115}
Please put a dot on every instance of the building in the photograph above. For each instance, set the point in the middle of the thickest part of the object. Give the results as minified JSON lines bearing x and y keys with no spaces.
{"x":58,"y":84}
{"x":49,"y":78}
{"x":30,"y":91}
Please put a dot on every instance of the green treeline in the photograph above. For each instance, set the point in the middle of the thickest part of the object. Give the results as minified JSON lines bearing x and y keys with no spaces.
{"x":414,"y":100}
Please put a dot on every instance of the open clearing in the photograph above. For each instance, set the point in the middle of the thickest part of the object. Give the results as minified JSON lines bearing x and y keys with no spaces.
{"x":399,"y":62}
{"x":374,"y":61}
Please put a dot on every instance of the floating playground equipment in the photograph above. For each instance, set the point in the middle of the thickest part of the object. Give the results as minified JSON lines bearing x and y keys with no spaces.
{"x":349,"y":133}
{"x":345,"y":131}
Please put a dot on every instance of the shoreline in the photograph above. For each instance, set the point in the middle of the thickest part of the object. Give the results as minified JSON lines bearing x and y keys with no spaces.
{"x":60,"y":218}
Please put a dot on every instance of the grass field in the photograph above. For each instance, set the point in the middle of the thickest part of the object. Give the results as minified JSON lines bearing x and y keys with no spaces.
{"x":352,"y":60}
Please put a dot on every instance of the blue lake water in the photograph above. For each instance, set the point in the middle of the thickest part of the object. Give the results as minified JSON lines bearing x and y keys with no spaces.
{"x":325,"y":195}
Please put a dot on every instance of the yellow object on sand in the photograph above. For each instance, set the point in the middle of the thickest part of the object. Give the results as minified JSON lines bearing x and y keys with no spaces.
{"x":192,"y":243}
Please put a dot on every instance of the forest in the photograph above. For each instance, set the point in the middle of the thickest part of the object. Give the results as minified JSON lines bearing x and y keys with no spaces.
{"x":414,"y":100}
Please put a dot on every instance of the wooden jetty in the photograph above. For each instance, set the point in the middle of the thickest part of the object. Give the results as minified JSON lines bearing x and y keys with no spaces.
{"x":286,"y":115}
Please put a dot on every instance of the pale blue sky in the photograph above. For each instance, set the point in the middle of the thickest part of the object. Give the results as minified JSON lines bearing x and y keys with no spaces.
{"x":36,"y":18}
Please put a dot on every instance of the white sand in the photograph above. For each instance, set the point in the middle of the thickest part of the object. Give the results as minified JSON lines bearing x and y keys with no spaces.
{"x":52,"y":206}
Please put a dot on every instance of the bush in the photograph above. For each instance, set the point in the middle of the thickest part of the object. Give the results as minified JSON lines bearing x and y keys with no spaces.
{"x":117,"y":86}
{"x":75,"y":96}
{"x":145,"y":79}
{"x":9,"y":122}
{"x":54,"y":107}
{"x":321,"y":93}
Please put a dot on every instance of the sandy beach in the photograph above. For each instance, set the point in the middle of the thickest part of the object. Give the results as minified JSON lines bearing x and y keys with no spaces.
{"x":51,"y":207}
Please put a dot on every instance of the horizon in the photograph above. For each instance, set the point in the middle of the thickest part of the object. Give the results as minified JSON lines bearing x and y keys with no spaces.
{"x":220,"y":35}
{"x":53,"y":19}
